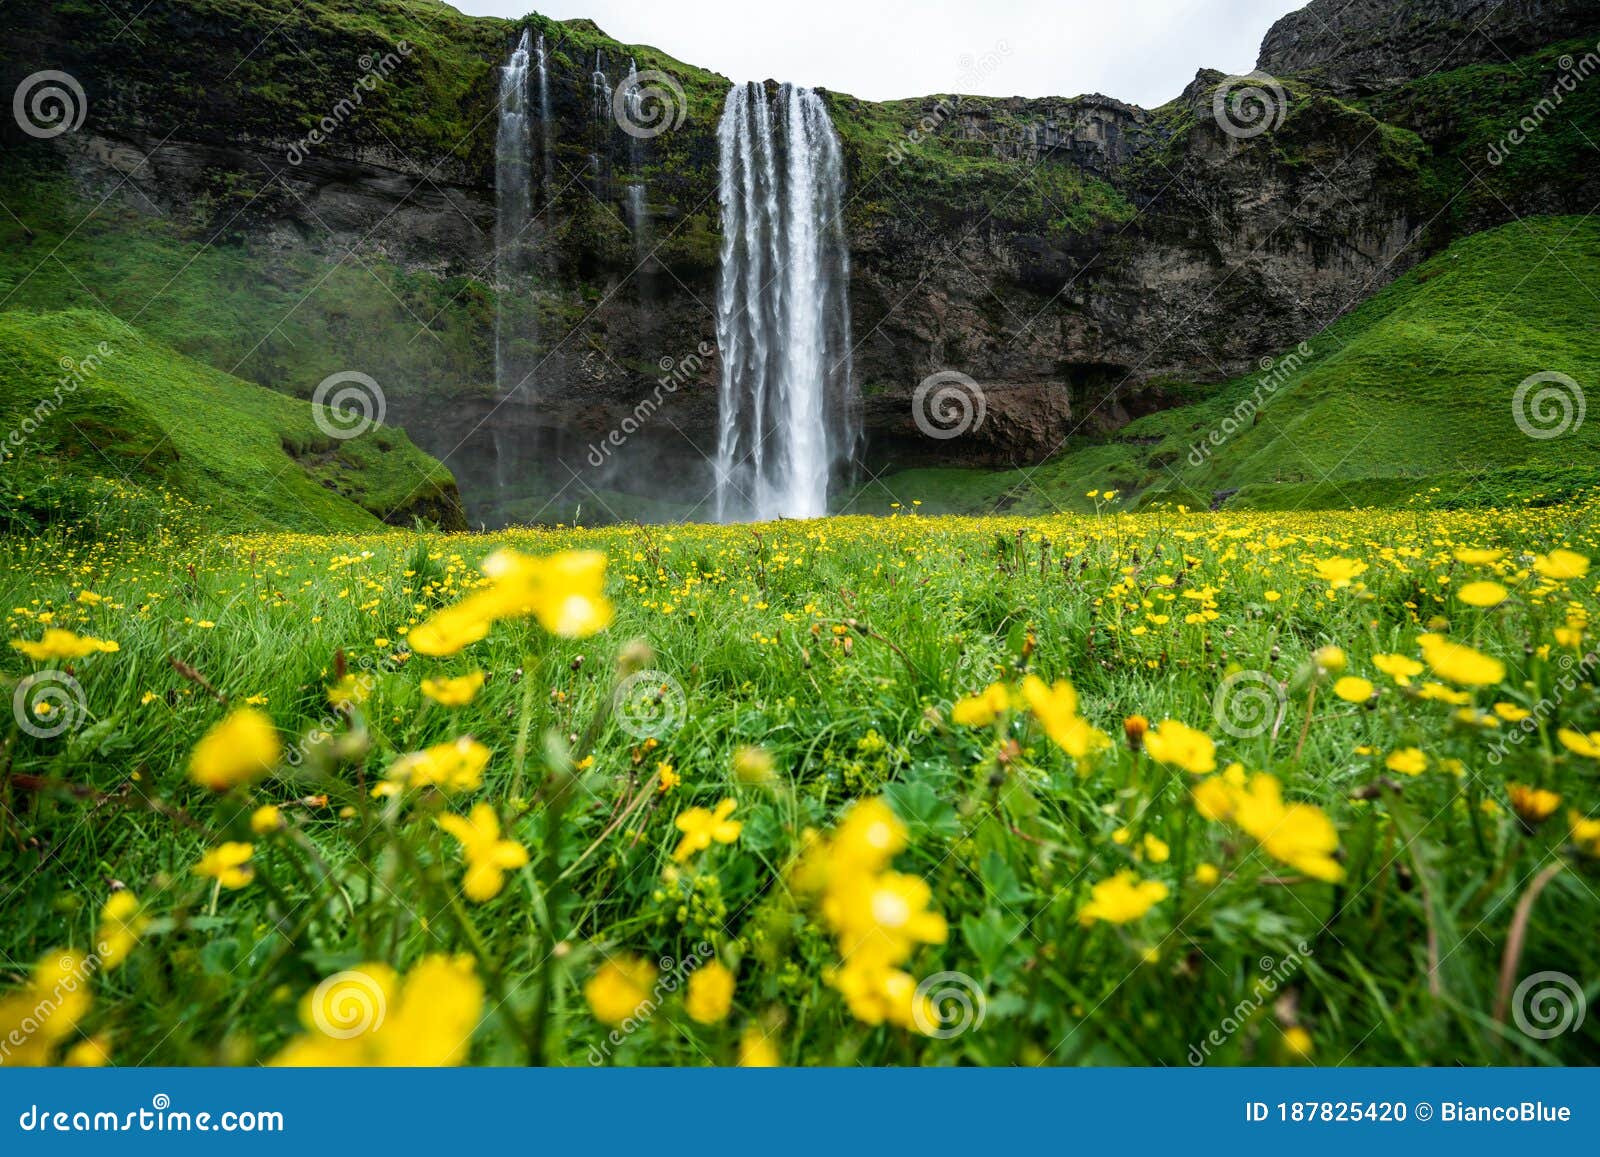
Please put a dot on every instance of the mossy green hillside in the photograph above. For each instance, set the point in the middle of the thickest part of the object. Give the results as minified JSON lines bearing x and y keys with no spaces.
{"x":84,"y":397}
{"x":1411,"y":395}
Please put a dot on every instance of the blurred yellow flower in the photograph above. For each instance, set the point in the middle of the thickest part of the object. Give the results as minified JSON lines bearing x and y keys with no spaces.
{"x":1460,"y":664}
{"x":122,"y":924}
{"x":1401,"y":668}
{"x":58,"y":644}
{"x":982,"y":709}
{"x":710,"y":994}
{"x":1407,"y":761}
{"x":453,"y":692}
{"x":237,"y":751}
{"x":1562,"y":565}
{"x":368,"y":1016}
{"x":1056,"y":709}
{"x":700,"y":827}
{"x":1121,"y":899}
{"x":1353,"y":689}
{"x":619,"y":988}
{"x":1179,"y":745}
{"x":488,"y":856}
{"x":228,"y":864}
{"x":456,"y":766}
{"x":1482,"y":594}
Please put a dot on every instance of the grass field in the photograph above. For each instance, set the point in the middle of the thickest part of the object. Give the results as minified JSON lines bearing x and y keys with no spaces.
{"x":1113,"y":788}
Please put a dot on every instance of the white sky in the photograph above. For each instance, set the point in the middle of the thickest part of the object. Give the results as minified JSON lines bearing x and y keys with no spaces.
{"x":1142,"y":51}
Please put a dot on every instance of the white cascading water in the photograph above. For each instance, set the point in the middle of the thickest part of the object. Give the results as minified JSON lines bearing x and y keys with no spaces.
{"x":513,"y":202}
{"x":786,"y":407}
{"x":635,"y":200}
{"x":546,"y":138}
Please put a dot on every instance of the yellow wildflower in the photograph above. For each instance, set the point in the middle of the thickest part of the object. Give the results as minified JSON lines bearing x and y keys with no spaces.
{"x":1460,"y":664}
{"x":1179,"y":745}
{"x":710,"y":993}
{"x":700,"y":827}
{"x":451,"y":767}
{"x":58,"y":644}
{"x":228,"y":864}
{"x":618,"y":988}
{"x":488,"y":856}
{"x":1353,"y":689}
{"x":453,"y":692}
{"x":237,"y":751}
{"x":1121,"y":899}
{"x":368,"y":1016}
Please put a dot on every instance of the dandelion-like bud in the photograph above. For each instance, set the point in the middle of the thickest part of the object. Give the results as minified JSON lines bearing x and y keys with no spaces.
{"x":1133,"y":729}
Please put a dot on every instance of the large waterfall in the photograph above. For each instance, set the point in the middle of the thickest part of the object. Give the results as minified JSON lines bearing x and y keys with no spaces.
{"x":513,"y":155}
{"x":787,"y":413}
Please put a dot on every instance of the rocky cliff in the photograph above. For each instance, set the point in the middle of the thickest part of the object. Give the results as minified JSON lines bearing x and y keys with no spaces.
{"x":1085,"y":260}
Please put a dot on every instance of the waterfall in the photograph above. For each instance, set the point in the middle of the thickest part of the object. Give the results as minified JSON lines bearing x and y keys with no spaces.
{"x":599,"y":158}
{"x":513,"y":209}
{"x":786,"y":407}
{"x":546,"y":138}
{"x":635,"y":201}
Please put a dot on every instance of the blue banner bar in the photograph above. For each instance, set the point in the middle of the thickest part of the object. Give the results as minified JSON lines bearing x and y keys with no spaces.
{"x":810,"y":1111}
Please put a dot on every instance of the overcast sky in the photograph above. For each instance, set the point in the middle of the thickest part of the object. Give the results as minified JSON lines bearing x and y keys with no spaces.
{"x":1143,"y":51}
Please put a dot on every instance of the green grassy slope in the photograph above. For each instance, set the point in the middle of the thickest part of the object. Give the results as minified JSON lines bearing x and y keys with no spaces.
{"x":1409,"y":394}
{"x":86,"y":400}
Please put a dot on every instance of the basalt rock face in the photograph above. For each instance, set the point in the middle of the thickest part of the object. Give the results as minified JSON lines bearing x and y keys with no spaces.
{"x":1360,"y":46}
{"x":1078,"y":258}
